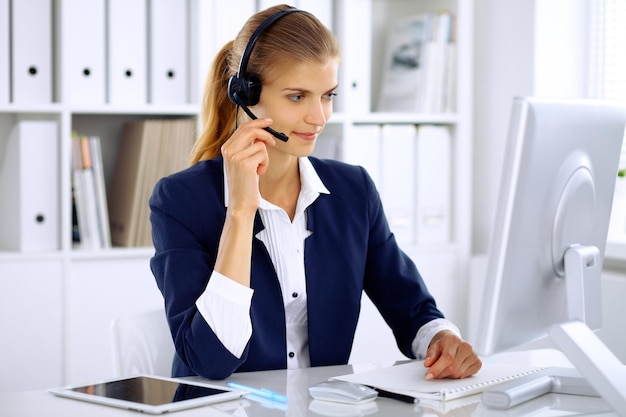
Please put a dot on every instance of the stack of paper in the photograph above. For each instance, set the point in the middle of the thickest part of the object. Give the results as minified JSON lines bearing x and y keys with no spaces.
{"x":149,"y":150}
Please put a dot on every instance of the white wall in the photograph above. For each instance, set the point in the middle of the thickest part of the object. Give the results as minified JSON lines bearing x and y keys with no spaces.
{"x":504,"y":61}
{"x":522,"y":47}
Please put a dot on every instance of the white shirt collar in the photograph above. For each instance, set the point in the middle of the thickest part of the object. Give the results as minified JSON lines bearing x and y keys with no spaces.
{"x":311,"y":184}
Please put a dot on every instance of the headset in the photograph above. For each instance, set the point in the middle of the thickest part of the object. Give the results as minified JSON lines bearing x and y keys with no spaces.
{"x":244,"y":89}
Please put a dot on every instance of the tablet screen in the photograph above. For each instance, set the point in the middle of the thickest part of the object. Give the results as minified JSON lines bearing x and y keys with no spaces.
{"x":149,"y":391}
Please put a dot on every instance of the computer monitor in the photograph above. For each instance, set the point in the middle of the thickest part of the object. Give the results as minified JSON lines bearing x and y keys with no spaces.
{"x":546,"y":251}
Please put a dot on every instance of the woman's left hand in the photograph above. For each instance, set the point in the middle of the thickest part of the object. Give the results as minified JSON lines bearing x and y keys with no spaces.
{"x":449,"y":356}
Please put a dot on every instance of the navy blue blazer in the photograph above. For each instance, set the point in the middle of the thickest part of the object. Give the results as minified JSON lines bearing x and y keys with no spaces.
{"x":351,"y":249}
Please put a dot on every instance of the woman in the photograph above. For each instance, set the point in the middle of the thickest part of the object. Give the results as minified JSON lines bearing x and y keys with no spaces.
{"x":262,"y":252}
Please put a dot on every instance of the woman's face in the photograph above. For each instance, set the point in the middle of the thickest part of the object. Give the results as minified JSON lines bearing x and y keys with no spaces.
{"x":299,"y":99}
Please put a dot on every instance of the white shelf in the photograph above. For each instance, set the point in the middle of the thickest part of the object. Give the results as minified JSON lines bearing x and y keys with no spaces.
{"x":406,"y":118}
{"x":31,"y":108}
{"x":147,"y":110}
{"x":394,"y":118}
{"x":57,"y":108}
{"x":116,"y":253}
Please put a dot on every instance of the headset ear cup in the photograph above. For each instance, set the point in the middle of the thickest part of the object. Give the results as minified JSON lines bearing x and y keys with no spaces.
{"x":247,"y":90}
{"x":234,"y":90}
{"x":253,"y":87}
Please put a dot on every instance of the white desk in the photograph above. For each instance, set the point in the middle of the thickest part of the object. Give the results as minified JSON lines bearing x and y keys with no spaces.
{"x":295,"y":384}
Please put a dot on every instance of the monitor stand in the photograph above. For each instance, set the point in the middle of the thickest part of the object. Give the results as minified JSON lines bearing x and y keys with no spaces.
{"x":600,"y":367}
{"x":598,"y":371}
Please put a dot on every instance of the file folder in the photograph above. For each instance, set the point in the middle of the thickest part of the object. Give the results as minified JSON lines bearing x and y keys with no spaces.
{"x":398,"y":180}
{"x":363,"y":147}
{"x":357,"y":58}
{"x":5,"y":53}
{"x":434,"y":184}
{"x":31,"y":46}
{"x":127,"y":57}
{"x":84,"y":48}
{"x":29,"y":197}
{"x":168,"y":55}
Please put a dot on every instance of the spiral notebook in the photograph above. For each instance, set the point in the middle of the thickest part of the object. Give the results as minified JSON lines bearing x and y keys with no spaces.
{"x":408,"y":379}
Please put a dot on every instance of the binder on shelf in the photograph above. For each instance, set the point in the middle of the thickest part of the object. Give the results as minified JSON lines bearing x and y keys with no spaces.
{"x":168,"y":57}
{"x":434,"y":184}
{"x":149,"y":150}
{"x":5,"y":53}
{"x":127,"y":61}
{"x":363,"y":147}
{"x":358,"y":58}
{"x":328,"y":146}
{"x":29,"y":197}
{"x":398,"y":180}
{"x":31,"y":48}
{"x":84,"y":71}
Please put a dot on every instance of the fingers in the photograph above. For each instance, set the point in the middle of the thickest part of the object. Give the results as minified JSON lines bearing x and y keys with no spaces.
{"x":245,"y":158}
{"x":249,"y":140}
{"x":449,"y":356}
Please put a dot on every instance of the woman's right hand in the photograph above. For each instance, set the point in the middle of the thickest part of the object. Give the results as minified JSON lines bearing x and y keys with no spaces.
{"x":246,"y":158}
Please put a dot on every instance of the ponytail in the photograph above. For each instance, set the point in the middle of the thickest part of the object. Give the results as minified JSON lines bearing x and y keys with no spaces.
{"x":218,"y":112}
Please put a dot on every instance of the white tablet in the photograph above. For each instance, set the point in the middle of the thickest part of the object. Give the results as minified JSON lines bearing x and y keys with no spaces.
{"x":150,"y":394}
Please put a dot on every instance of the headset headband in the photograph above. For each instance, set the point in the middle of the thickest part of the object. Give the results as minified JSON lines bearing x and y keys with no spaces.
{"x":243,"y":64}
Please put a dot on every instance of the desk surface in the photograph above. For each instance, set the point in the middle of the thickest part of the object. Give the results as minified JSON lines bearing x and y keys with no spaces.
{"x":295,"y":384}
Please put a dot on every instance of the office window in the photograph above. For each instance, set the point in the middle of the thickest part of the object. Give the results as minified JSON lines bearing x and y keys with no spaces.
{"x":607,"y":72}
{"x":607,"y":79}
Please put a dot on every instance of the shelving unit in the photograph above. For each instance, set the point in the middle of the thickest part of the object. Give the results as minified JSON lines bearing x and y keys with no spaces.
{"x":63,"y":300}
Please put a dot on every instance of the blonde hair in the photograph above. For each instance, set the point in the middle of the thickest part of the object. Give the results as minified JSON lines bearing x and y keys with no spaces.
{"x":297,"y":37}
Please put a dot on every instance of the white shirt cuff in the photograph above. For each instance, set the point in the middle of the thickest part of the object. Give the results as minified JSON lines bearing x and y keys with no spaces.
{"x":426,"y":333}
{"x":225,"y":306}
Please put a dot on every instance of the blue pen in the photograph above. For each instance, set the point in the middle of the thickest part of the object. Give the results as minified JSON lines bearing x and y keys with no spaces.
{"x":261,"y":392}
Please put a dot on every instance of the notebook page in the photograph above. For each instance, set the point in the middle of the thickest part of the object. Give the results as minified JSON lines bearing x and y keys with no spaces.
{"x":408,"y":379}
